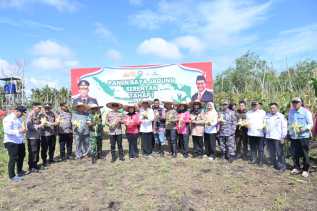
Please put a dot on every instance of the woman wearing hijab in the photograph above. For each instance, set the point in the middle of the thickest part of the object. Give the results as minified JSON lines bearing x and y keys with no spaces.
{"x":182,"y":126}
{"x":211,"y":122}
{"x":197,"y":126}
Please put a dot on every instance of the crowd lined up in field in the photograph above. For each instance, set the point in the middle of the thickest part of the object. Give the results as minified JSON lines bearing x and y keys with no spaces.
{"x":240,"y":133}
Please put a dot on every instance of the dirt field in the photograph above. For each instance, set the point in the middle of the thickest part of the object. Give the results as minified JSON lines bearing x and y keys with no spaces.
{"x":159,"y":184}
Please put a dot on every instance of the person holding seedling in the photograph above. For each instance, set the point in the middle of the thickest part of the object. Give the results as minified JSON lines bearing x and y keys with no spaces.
{"x":300,"y":124}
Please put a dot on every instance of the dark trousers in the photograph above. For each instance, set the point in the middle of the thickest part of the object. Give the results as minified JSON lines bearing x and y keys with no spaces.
{"x":183,"y":140}
{"x":116,"y":140}
{"x":276,"y":152}
{"x":257,"y":148}
{"x":198,"y":145}
{"x":242,"y":143}
{"x":16,"y":156}
{"x":171,"y":137}
{"x":34,"y":150}
{"x":300,"y":148}
{"x":146,"y":142}
{"x":99,"y":147}
{"x":48,"y":144}
{"x":133,"y":145}
{"x":210,"y":144}
{"x":66,"y":141}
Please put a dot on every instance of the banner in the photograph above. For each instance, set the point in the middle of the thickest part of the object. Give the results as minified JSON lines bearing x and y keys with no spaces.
{"x":131,"y":84}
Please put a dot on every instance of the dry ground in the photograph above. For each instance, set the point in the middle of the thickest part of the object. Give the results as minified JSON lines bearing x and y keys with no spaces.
{"x":159,"y":184}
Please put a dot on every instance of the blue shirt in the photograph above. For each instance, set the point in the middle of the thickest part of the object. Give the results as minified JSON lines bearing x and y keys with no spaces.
{"x":80,"y":121}
{"x":304,"y":119}
{"x":11,"y":127}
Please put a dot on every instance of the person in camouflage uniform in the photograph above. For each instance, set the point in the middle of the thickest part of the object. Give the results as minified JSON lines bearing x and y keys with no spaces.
{"x":228,"y":124}
{"x":95,"y":138}
{"x":170,"y":126}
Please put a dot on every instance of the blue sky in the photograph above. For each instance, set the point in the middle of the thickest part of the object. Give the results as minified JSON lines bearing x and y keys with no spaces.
{"x":50,"y":36}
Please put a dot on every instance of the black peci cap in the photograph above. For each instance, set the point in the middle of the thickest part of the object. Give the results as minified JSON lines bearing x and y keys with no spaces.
{"x":200,"y":78}
{"x":83,"y":83}
{"x":21,"y":109}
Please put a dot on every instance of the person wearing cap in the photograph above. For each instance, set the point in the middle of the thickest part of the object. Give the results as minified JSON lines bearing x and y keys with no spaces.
{"x":183,"y":128}
{"x":83,"y":97}
{"x":48,"y":134}
{"x":197,"y":128}
{"x":65,"y":131}
{"x":211,"y":123}
{"x":96,"y":130}
{"x":300,"y":123}
{"x":171,"y":118}
{"x":132,"y":123}
{"x":13,"y":140}
{"x":146,"y":127}
{"x":203,"y":94}
{"x":228,"y":123}
{"x":255,"y":123}
{"x":275,"y":133}
{"x":241,"y":131}
{"x":114,"y":119}
{"x":33,"y":134}
{"x":159,"y":126}
{"x":80,"y":121}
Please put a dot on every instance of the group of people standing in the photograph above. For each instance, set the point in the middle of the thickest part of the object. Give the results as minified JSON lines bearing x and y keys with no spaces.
{"x":238,"y":132}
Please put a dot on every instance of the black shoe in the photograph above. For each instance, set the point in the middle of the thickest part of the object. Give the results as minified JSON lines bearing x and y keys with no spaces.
{"x":51,"y":161}
{"x":252,"y":162}
{"x":22,"y":173}
{"x":122,"y":159}
{"x":93,"y":160}
{"x":34,"y":170}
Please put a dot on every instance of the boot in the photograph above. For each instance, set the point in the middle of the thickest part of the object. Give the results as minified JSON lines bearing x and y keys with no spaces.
{"x":261,"y":159}
{"x":174,"y":150}
{"x":161,"y":151}
{"x":230,"y":160}
{"x":93,"y":159}
{"x":113,"y":158}
{"x":223,"y":156}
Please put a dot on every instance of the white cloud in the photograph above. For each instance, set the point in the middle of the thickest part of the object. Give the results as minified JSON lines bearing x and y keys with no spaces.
{"x":293,"y":42}
{"x":148,"y":19}
{"x":38,"y":83}
{"x":7,"y":69}
{"x":29,"y":24}
{"x":103,"y":32}
{"x":12,"y":3}
{"x":159,"y":47}
{"x":52,"y":56}
{"x":113,"y":55}
{"x":47,"y":63}
{"x":60,"y":5}
{"x":136,"y":2}
{"x":218,"y":23}
{"x":51,"y":48}
{"x":192,"y":43}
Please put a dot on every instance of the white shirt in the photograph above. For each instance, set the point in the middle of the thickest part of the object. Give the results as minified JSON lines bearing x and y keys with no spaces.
{"x":11,"y":126}
{"x":275,"y":126}
{"x":255,"y":121}
{"x":146,"y":123}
